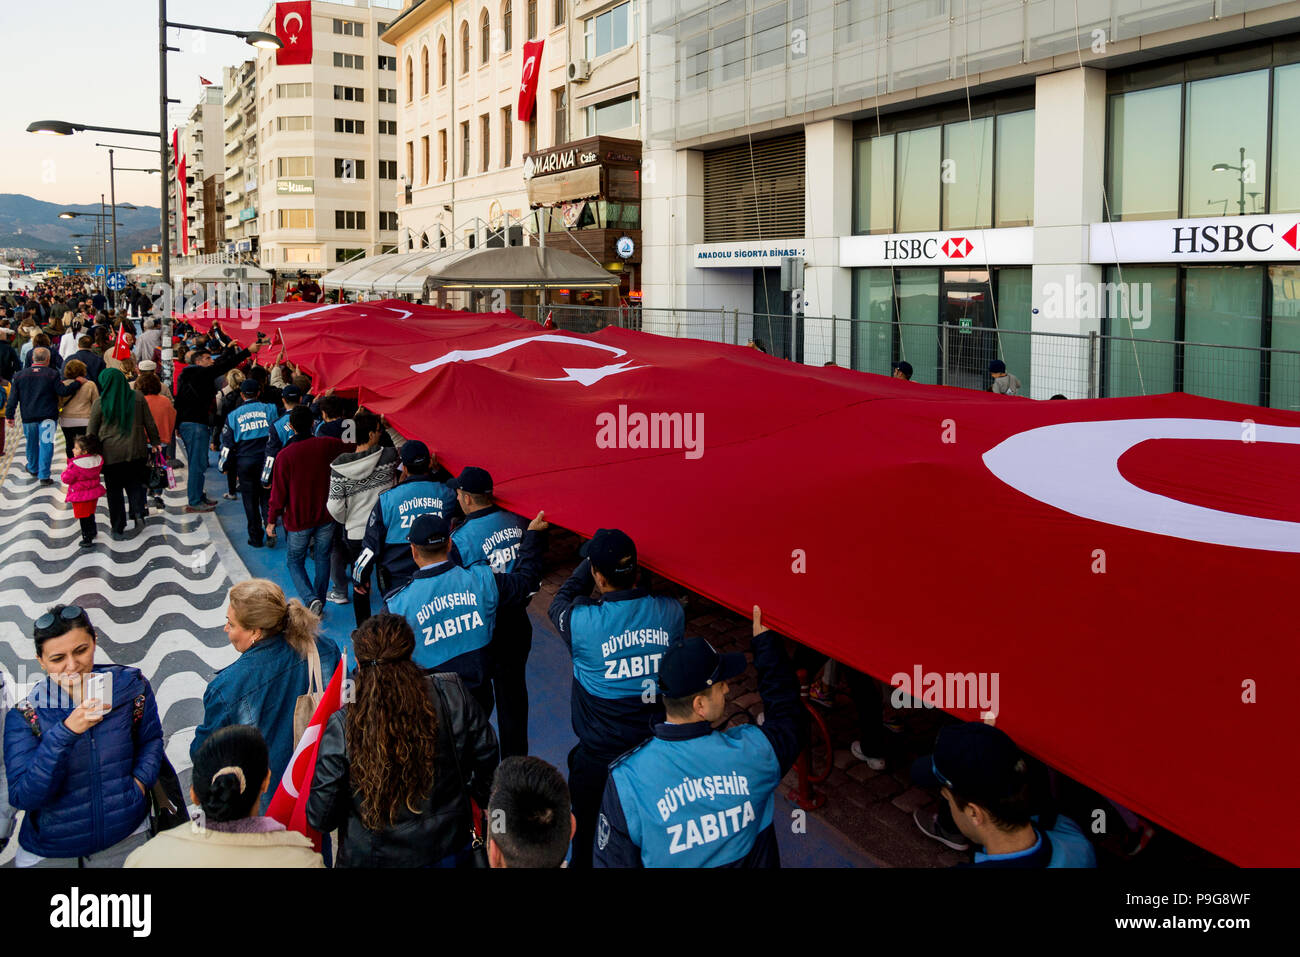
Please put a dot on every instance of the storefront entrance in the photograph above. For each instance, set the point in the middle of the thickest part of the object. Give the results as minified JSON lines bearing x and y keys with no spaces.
{"x":969,"y":341}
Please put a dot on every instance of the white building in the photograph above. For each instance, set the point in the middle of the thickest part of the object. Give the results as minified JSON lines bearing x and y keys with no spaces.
{"x":202,"y":143}
{"x":241,"y":158}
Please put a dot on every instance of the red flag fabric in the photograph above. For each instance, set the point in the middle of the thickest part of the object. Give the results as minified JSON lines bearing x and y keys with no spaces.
{"x":120,"y":349}
{"x":204,"y":81}
{"x":182,"y":214}
{"x":289,"y":803}
{"x":293,"y":27}
{"x":528,"y":82}
{"x":1106,"y":569}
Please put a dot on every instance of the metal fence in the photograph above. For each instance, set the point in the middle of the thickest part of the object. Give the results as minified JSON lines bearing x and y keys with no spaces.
{"x":1076,"y":365}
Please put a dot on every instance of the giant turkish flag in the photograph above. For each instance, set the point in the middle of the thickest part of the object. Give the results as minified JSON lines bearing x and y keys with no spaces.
{"x":293,"y":27}
{"x":1120,"y":564}
{"x":532,"y":57}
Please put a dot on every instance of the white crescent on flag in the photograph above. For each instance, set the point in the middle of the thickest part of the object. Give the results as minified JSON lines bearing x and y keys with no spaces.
{"x":295,"y":15}
{"x":529,"y":65}
{"x":309,"y":737}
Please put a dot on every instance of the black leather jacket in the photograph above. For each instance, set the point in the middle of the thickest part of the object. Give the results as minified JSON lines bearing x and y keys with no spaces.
{"x":443,"y":824}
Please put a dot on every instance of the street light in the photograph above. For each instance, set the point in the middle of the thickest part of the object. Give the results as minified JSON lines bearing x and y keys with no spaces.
{"x":1241,"y":176}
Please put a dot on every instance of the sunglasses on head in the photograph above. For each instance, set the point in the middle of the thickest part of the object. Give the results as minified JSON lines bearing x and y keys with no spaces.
{"x":69,"y":613}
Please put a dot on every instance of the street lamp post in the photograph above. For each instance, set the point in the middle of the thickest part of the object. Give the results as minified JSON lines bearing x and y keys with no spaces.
{"x":1241,"y":177}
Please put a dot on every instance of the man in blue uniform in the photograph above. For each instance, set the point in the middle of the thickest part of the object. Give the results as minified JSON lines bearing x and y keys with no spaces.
{"x":617,"y":641}
{"x":281,"y":431}
{"x":695,"y":797}
{"x":491,"y":534}
{"x":424,"y":487}
{"x":453,"y":609}
{"x":243,"y":448}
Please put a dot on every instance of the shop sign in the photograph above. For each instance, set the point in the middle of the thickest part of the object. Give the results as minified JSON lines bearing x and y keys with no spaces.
{"x":748,"y":255}
{"x":1214,"y":239}
{"x":975,"y":248}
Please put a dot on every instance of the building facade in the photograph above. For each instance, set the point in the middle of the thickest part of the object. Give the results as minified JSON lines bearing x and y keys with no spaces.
{"x":241,"y":158}
{"x":327,"y":143}
{"x":938,"y":172}
{"x":202,"y":142}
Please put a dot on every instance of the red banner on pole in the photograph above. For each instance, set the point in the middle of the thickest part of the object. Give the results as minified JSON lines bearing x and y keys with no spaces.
{"x":293,"y":27}
{"x":528,"y":83}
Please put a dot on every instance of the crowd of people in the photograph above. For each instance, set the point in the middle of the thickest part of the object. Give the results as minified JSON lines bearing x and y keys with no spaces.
{"x":440,"y":578}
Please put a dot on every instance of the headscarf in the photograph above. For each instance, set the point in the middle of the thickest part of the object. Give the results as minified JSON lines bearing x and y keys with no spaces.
{"x":116,"y":400}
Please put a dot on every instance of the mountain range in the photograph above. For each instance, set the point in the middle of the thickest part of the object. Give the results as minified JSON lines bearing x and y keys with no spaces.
{"x":34,"y":224}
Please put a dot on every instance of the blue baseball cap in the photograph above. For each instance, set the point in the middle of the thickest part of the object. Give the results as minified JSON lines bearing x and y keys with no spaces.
{"x":415,"y":456}
{"x":974,"y":759}
{"x":613,"y":554}
{"x":472,"y":479}
{"x":250,"y":386}
{"x":692,"y":666}
{"x":291,"y":392}
{"x":429,"y":530}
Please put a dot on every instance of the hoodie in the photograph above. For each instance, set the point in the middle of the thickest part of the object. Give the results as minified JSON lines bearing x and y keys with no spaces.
{"x":82,"y":479}
{"x":356,"y":481}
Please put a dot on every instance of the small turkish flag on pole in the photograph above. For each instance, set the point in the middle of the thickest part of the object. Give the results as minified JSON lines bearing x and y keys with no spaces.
{"x":205,"y":82}
{"x":293,"y":27}
{"x":289,"y":805}
{"x":120,"y":349}
{"x":528,"y":83}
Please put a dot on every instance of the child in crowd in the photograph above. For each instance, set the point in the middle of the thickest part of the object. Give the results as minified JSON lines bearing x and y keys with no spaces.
{"x":84,"y":487}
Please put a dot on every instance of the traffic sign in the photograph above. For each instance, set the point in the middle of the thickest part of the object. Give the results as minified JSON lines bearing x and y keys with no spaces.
{"x":116,"y":281}
{"x":100,"y":270}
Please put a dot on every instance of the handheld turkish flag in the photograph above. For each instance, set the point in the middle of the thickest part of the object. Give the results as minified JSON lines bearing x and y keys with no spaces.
{"x":293,"y":27}
{"x":120,"y":349}
{"x":289,"y":805}
{"x":528,"y":84}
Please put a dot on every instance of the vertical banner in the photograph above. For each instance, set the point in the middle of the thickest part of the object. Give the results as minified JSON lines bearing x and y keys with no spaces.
{"x":528,"y":83}
{"x":293,"y":27}
{"x":182,"y":213}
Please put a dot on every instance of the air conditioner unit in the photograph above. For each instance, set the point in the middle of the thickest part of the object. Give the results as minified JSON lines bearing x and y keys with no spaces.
{"x":579,"y":71}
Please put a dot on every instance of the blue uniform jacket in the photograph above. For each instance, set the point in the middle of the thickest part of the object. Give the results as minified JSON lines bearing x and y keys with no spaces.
{"x":616,"y":642}
{"x":492,"y":536}
{"x":243,"y":438}
{"x":453,"y":610}
{"x":78,"y":789}
{"x":695,"y":797}
{"x":280,"y":435}
{"x":389,"y":525}
{"x":260,"y":688}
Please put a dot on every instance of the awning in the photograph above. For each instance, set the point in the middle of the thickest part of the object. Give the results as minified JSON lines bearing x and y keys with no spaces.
{"x":553,"y":188}
{"x":216,"y":272}
{"x":519,"y":267}
{"x":339,"y":277}
{"x":398,"y":274}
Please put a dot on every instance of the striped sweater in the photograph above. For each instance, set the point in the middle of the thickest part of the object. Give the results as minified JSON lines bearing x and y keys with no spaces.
{"x":356,"y":481}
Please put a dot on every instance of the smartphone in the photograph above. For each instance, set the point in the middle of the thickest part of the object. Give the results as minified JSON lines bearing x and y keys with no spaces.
{"x":95,"y":688}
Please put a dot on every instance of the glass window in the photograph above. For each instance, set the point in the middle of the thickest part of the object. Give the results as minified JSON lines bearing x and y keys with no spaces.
{"x":614,"y":115}
{"x":1015,"y":169}
{"x":1144,"y":130}
{"x":1015,"y":313}
{"x":485,"y":36}
{"x":871,"y":348}
{"x":1284,"y":364}
{"x":918,"y":312}
{"x":1225,"y":158}
{"x":1286,"y":139}
{"x":532,"y":19}
{"x":967,"y":174}
{"x":917,"y":193}
{"x":1141,"y":305}
{"x":611,"y":30}
{"x":1222,"y":308}
{"x":874,"y":169}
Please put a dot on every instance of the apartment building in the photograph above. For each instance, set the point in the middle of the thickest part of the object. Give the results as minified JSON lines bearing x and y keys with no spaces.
{"x":241,"y":158}
{"x":202,"y":142}
{"x":327,"y":143}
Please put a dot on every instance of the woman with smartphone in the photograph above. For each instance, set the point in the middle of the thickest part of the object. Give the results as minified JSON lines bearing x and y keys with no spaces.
{"x":81,"y":751}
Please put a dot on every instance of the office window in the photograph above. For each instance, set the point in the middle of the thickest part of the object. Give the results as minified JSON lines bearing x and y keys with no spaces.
{"x":299,"y":255}
{"x":349,"y":169}
{"x":874,"y":211}
{"x":532,"y":19}
{"x":387,"y":95}
{"x":349,"y":126}
{"x":1144,"y":153}
{"x":1015,"y":169}
{"x":464,"y":148}
{"x":1222,"y":308}
{"x":295,"y":166}
{"x":485,"y":136}
{"x":388,"y":169}
{"x":464,"y":47}
{"x":283,"y":90}
{"x":424,"y":71}
{"x":349,"y":219}
{"x":558,"y":13}
{"x":507,"y":26}
{"x":353,"y":61}
{"x":292,"y":124}
{"x":342,"y":255}
{"x":442,"y":61}
{"x":353,"y":94}
{"x":967,"y":174}
{"x":442,"y":156}
{"x":1286,"y":141}
{"x":349,"y":28}
{"x":507,"y":135}
{"x":387,"y":128}
{"x":410,"y":80}
{"x":386,"y":63}
{"x":916,"y":197}
{"x":1225,"y":151}
{"x":410,"y":162}
{"x":613,"y":115}
{"x":297,"y":218}
{"x":424,"y":159}
{"x":560,"y":102}
{"x":484,"y":36}
{"x":611,"y":30}
{"x":387,"y":220}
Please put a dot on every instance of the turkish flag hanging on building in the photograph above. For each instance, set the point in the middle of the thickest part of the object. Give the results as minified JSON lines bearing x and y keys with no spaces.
{"x":182,"y":213}
{"x":293,"y":27}
{"x":528,"y":82}
{"x":289,"y":804}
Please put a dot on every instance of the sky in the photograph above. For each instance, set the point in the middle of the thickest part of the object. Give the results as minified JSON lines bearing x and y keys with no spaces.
{"x":96,"y":61}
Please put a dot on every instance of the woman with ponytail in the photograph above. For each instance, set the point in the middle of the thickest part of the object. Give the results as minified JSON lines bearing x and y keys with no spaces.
{"x":397,"y":767}
{"x":231,"y":773}
{"x":274,"y":638}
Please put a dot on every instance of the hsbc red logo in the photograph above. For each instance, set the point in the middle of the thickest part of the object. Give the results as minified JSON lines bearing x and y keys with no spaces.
{"x":957,"y":247}
{"x":1292,"y":237}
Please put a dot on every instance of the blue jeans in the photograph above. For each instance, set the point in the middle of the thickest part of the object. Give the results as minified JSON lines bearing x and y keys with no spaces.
{"x":196,"y":436}
{"x":40,"y":446}
{"x":318,"y":540}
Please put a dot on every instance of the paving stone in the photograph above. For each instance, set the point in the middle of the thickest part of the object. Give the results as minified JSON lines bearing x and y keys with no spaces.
{"x":911,"y":799}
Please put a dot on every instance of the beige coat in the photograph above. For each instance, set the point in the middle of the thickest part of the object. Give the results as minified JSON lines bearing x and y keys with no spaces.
{"x":78,"y":405}
{"x":192,"y":846}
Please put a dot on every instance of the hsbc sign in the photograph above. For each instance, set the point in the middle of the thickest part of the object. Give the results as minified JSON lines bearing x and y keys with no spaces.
{"x":1219,"y":239}
{"x":976,"y":247}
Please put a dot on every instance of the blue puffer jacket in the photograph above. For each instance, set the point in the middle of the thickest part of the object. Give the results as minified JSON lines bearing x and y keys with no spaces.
{"x":78,"y":789}
{"x":260,"y":689}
